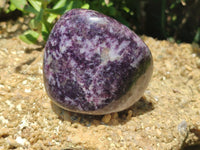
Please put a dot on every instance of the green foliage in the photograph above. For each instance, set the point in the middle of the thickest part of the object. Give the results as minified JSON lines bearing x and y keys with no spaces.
{"x":162,"y":19}
{"x":197,"y":36}
{"x":46,"y":12}
{"x":29,"y":36}
{"x":19,"y":4}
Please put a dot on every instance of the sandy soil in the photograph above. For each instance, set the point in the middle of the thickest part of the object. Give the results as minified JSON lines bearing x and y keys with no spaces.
{"x":166,"y":117}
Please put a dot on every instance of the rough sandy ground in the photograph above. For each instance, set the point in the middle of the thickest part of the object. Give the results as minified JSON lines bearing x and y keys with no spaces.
{"x":167,"y":117}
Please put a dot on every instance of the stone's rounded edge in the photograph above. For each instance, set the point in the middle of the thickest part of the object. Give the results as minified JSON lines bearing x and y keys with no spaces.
{"x":124,"y":101}
{"x":117,"y":105}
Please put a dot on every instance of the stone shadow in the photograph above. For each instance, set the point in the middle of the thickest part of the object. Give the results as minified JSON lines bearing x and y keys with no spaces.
{"x":31,"y":61}
{"x":140,"y":107}
{"x":30,"y":50}
{"x":18,"y":69}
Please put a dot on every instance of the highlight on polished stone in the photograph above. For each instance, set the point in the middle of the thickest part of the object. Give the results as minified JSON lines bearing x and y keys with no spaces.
{"x":95,"y":65}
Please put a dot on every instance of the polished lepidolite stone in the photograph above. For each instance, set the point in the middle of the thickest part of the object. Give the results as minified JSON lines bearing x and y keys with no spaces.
{"x":95,"y":65}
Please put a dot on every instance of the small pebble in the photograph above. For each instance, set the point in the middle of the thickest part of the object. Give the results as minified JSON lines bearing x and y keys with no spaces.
{"x":21,"y":19}
{"x":96,"y":122}
{"x":106,"y":118}
{"x":198,"y":88}
{"x":182,"y":127}
{"x":66,"y":115}
{"x":24,"y":27}
{"x":27,"y":90}
{"x":115,"y":115}
{"x":130,"y":113}
{"x":114,"y":121}
{"x":22,"y":141}
{"x":12,"y":143}
{"x":4,"y":132}
{"x":198,"y":63}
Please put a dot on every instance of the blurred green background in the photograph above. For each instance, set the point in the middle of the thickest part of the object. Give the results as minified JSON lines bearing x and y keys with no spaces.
{"x":174,"y":20}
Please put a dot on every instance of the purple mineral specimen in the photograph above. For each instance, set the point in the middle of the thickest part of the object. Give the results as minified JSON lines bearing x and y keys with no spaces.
{"x":95,"y":65}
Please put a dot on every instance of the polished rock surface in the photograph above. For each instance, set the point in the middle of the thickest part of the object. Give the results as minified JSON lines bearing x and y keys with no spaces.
{"x":95,"y":65}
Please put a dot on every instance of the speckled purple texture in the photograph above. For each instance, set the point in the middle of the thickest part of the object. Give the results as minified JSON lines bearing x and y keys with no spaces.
{"x":95,"y":65}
